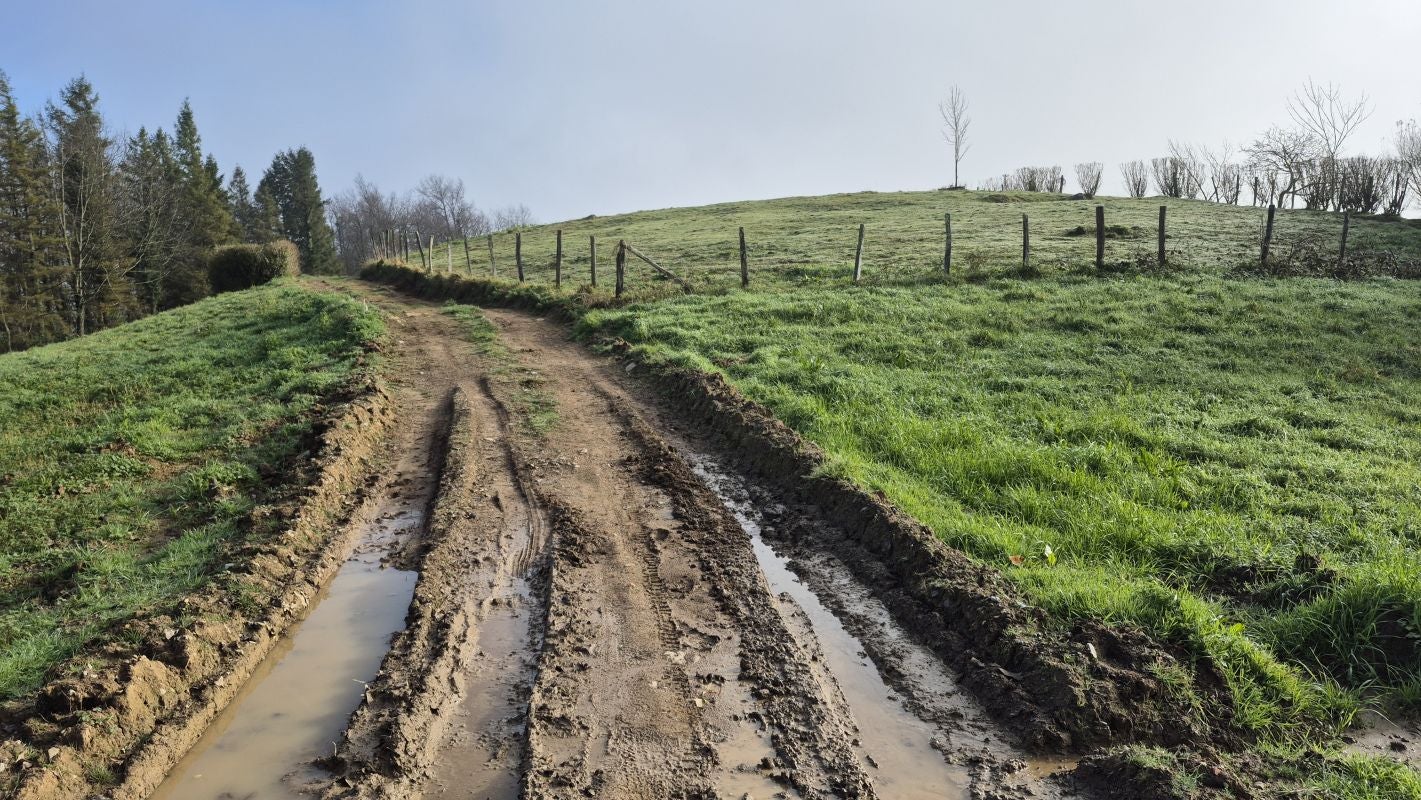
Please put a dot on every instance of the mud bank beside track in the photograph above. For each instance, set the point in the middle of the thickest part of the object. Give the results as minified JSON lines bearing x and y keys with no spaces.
{"x":120,"y":725}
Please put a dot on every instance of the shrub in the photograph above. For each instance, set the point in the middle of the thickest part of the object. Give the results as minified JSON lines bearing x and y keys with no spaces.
{"x":242,"y":266}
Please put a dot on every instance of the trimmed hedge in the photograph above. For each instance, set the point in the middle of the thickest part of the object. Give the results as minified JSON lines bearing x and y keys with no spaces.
{"x":242,"y":266}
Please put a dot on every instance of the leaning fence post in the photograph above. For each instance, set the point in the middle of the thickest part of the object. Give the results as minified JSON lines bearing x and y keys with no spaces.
{"x":1025,"y":242}
{"x":1100,"y":237}
{"x":492,"y":265}
{"x":592,"y":246}
{"x":557,"y":263}
{"x":858,"y":256}
{"x":429,"y":257}
{"x":744,"y":262}
{"x":947,"y":253}
{"x":518,"y":253}
{"x":1161,"y":235}
{"x":468,"y":259}
{"x":1342,"y":251}
{"x":1268,"y":235}
{"x":621,"y":265}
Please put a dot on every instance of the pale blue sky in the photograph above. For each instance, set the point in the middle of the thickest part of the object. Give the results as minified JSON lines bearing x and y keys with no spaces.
{"x":578,"y":108}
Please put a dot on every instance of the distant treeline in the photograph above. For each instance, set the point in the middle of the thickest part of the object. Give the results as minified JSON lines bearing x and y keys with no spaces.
{"x":97,"y":229}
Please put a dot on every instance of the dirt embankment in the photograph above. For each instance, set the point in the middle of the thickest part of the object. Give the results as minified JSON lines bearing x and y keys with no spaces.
{"x":131,"y":711}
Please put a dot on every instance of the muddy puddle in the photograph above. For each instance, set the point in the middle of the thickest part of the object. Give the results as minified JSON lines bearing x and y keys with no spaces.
{"x":295,"y":705}
{"x":898,"y":748}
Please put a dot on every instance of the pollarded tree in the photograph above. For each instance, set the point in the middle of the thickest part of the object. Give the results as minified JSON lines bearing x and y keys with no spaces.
{"x":1088,"y":175}
{"x":1137,"y":178}
{"x":290,"y":190}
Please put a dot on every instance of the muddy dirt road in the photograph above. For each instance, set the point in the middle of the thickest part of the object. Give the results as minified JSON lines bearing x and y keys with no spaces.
{"x":605,"y":609}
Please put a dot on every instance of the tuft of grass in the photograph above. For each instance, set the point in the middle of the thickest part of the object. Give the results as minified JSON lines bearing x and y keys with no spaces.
{"x":130,"y":459}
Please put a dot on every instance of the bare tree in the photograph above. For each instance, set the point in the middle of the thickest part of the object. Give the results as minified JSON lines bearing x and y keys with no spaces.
{"x":1286,"y":154}
{"x":1088,"y":176}
{"x":512,"y":217}
{"x":956,"y":122}
{"x":1321,"y":113}
{"x":1136,"y":177}
{"x":1408,"y":152}
{"x":457,"y":217}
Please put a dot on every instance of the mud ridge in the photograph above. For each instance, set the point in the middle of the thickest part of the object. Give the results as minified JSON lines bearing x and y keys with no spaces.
{"x":396,"y":733}
{"x":136,"y":715}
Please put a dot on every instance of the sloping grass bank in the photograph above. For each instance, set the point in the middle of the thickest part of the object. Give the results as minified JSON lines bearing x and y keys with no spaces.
{"x":131,"y":459}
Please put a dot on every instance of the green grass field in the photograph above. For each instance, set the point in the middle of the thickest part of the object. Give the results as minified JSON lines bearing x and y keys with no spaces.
{"x":1230,"y":461}
{"x":129,"y":459}
{"x":811,"y":240}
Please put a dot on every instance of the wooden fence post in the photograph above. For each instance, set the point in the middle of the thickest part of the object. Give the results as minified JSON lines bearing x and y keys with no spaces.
{"x":449,"y":251}
{"x":405,"y":247}
{"x":1268,"y":235}
{"x":1161,"y":236}
{"x":1025,"y":242}
{"x":592,"y":246}
{"x":492,"y":265}
{"x":1342,"y":251}
{"x":744,"y":262}
{"x":468,"y":259}
{"x":947,"y":252}
{"x":557,"y":263}
{"x":621,"y":266}
{"x":518,"y":253}
{"x":419,"y":242}
{"x":858,"y":256}
{"x":1100,"y":237}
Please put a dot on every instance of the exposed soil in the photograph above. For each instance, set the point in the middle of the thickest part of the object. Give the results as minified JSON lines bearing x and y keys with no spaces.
{"x":607,"y":608}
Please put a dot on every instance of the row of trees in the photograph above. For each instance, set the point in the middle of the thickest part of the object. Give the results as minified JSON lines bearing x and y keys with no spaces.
{"x":98,"y":228}
{"x":1301,"y":163}
{"x":437,"y":207}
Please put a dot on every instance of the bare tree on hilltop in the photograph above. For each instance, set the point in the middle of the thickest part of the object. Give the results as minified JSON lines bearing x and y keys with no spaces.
{"x":957,"y":121}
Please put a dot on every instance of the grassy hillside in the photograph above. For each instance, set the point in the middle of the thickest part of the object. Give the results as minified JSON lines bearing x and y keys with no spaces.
{"x":810,"y":240}
{"x":130,"y":458}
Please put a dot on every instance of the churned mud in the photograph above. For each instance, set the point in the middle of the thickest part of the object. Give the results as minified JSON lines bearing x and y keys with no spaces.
{"x":604,"y":609}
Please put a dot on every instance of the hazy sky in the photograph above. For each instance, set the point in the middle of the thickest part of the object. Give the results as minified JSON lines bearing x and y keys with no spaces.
{"x":578,"y":107}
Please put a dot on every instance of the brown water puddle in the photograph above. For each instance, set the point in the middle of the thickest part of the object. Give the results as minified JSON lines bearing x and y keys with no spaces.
{"x":294,"y":707}
{"x":897,"y":748}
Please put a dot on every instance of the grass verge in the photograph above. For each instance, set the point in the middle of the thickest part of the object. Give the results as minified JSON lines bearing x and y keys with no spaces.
{"x":130,"y":460}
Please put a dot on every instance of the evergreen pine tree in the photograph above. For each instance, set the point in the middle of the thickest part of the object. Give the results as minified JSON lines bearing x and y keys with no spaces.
{"x":289,"y":190}
{"x":209,"y":219}
{"x":31,"y":291}
{"x":245,"y":210}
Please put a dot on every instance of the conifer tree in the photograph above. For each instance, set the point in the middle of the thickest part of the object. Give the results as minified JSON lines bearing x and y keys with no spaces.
{"x":155,"y":225}
{"x":290,"y":190}
{"x":31,"y":292}
{"x":209,"y":220}
{"x":84,"y":189}
{"x":245,"y":210}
